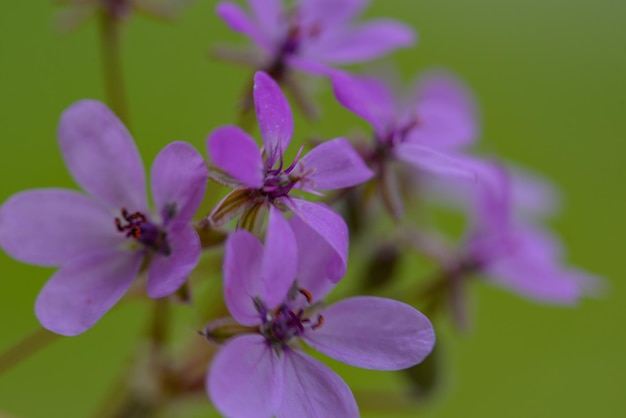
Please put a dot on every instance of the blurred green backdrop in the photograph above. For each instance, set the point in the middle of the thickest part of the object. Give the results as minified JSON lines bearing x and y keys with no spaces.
{"x":551,"y":80}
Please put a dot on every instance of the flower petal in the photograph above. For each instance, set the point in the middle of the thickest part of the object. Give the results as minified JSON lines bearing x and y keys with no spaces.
{"x":311,"y":389}
{"x":314,"y":256}
{"x":274,"y":116}
{"x":433,"y":161}
{"x":278,"y":269}
{"x":246,"y":378}
{"x":168,"y":273}
{"x":239,"y":21}
{"x":242,"y":270}
{"x":268,"y":14}
{"x":365,"y":42}
{"x":51,"y":227}
{"x":446,"y":111}
{"x":82,"y":291}
{"x":235,"y":152}
{"x":368,"y":98}
{"x":102,"y":156}
{"x":374,"y":333}
{"x":335,"y":165}
{"x":331,"y":12}
{"x":331,"y":228}
{"x":179,"y":177}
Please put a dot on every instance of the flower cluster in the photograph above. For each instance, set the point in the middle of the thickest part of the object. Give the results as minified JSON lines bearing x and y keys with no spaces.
{"x":286,"y":242}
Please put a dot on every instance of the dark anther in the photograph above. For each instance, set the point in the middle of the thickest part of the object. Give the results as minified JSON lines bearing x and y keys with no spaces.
{"x":319,"y":323}
{"x":306,"y":294}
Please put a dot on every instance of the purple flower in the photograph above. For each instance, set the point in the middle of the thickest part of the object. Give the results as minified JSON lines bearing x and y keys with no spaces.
{"x":511,"y":249}
{"x":426,"y":132}
{"x":263,"y":373}
{"x":268,"y":182}
{"x":313,"y":34}
{"x":101,"y":239}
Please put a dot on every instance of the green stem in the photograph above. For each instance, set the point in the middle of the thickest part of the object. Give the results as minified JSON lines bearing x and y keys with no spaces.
{"x":25,"y":348}
{"x":112,"y":65}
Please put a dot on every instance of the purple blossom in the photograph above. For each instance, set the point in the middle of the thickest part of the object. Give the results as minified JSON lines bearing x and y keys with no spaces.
{"x":427,"y":132}
{"x":313,"y":34}
{"x":262,"y":179}
{"x":263,"y":373}
{"x":101,"y":239}
{"x":511,"y":249}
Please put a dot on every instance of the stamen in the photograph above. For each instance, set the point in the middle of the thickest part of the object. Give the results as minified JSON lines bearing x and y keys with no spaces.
{"x":319,"y":323}
{"x":307,"y":295}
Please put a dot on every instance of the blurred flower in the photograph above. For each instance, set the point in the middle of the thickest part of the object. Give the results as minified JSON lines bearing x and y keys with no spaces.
{"x":101,"y":239}
{"x":78,"y":11}
{"x":262,"y":373}
{"x":258,"y":183}
{"x":512,"y":250}
{"x":427,"y":132}
{"x":313,"y":34}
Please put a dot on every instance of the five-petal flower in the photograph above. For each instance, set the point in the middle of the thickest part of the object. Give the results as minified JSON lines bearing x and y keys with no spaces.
{"x":101,"y":239}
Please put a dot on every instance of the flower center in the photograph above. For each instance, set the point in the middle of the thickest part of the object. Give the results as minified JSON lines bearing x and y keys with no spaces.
{"x":279,"y":182}
{"x":280,"y":325}
{"x":138,"y":227}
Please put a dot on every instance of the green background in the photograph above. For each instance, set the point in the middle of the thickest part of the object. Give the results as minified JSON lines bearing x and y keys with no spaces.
{"x":551,"y":80}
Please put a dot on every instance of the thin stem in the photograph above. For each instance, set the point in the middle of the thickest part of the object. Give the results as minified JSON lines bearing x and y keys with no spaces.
{"x":25,"y":348}
{"x":112,"y":65}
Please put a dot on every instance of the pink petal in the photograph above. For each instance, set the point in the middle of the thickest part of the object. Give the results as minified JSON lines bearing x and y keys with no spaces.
{"x":368,"y":98}
{"x":330,"y":12}
{"x":235,"y":152}
{"x":331,"y":228}
{"x":335,"y":165}
{"x":102,"y":156}
{"x":368,"y":41}
{"x":446,"y":112}
{"x":311,"y":389}
{"x":246,"y":378}
{"x":274,"y":116}
{"x":51,"y":227}
{"x":179,"y":177}
{"x":278,"y":269}
{"x":269,"y":17}
{"x":314,"y":256}
{"x":433,"y":161}
{"x":374,"y":333}
{"x":168,"y":273}
{"x":242,"y":276}
{"x":82,"y":291}
{"x":239,"y":21}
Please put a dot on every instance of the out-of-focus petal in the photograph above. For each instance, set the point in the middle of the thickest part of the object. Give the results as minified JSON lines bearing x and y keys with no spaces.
{"x":446,"y":112}
{"x":367,"y":97}
{"x":242,"y":276}
{"x":433,"y":161}
{"x":179,"y":177}
{"x":314,"y":255}
{"x":102,"y":156}
{"x":335,"y":165}
{"x":168,"y":273}
{"x":51,"y":227}
{"x":365,"y":42}
{"x":82,"y":291}
{"x":235,"y":152}
{"x":312,"y":390}
{"x":274,"y":116}
{"x":331,"y":13}
{"x":279,"y":259}
{"x":269,"y":16}
{"x":246,"y":378}
{"x":239,"y":22}
{"x":532,"y":195}
{"x":331,"y":228}
{"x":374,"y":333}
